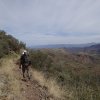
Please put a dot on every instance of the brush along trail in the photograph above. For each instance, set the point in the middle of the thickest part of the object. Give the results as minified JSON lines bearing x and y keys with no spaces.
{"x":14,"y":87}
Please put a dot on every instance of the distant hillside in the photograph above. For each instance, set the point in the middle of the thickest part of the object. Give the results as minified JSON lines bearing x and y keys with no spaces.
{"x":94,"y":48}
{"x":9,"y":44}
{"x":90,"y":49}
{"x":63,"y":45}
{"x":73,"y":48}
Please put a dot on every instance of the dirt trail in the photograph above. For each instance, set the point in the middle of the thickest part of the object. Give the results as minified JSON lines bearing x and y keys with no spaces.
{"x":30,"y":89}
{"x":13,"y":87}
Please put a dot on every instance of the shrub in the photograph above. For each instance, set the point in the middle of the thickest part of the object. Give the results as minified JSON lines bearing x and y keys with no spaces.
{"x":8,"y":43}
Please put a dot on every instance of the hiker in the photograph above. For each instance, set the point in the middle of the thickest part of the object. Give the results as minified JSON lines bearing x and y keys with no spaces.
{"x":25,"y":63}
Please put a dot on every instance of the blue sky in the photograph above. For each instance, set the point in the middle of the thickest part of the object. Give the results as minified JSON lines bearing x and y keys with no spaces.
{"x":38,"y":22}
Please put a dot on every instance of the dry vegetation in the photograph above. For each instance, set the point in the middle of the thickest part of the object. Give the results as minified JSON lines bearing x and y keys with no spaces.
{"x":11,"y":85}
{"x":56,"y":75}
{"x":78,"y":75}
{"x":53,"y":88}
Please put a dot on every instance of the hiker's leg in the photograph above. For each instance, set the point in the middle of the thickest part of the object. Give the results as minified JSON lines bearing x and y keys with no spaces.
{"x":23,"y":70}
{"x":20,"y":64}
{"x":28,"y":72}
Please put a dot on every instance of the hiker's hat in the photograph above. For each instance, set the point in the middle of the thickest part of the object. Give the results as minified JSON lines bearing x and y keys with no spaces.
{"x":24,"y":51}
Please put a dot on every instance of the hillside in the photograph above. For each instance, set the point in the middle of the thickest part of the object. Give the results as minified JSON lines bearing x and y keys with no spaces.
{"x":92,"y":49}
{"x":77,"y":74}
{"x":12,"y":84}
{"x":9,"y":44}
{"x":56,"y":74}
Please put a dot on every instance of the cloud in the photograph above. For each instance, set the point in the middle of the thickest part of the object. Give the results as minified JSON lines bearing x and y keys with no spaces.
{"x":51,"y":21}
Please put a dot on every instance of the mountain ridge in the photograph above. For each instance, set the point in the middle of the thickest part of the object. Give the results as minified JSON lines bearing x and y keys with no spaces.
{"x":63,"y":45}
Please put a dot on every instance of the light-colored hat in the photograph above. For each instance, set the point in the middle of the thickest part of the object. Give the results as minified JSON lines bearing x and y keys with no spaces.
{"x":24,"y":51}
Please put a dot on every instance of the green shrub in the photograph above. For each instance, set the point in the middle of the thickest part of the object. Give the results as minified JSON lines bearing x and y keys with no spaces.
{"x":9,"y":44}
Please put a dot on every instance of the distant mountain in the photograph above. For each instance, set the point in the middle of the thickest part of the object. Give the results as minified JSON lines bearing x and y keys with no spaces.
{"x":63,"y":45}
{"x":93,"y":48}
{"x":89,"y":49}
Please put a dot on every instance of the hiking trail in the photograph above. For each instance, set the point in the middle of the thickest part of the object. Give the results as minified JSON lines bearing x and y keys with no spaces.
{"x":13,"y":87}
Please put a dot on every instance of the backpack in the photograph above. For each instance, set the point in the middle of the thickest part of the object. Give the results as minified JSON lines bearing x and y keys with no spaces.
{"x":25,"y":60}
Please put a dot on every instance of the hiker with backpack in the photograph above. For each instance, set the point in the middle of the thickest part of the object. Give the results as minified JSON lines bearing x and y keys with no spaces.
{"x":25,"y":63}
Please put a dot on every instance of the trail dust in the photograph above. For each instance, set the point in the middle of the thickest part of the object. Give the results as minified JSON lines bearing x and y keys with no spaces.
{"x":13,"y":87}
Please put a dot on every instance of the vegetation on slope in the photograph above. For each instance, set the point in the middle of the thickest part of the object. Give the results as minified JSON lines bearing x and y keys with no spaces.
{"x":77,"y":74}
{"x":9,"y":44}
{"x":11,"y":85}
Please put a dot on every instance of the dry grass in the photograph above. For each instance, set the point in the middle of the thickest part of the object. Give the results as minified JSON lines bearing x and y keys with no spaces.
{"x":14,"y":87}
{"x":7,"y":67}
{"x":51,"y":84}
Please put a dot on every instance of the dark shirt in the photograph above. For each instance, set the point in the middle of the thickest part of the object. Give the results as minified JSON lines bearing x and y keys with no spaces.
{"x":25,"y":60}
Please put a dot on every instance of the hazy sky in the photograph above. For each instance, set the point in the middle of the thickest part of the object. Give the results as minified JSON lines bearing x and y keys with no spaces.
{"x":39,"y":22}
